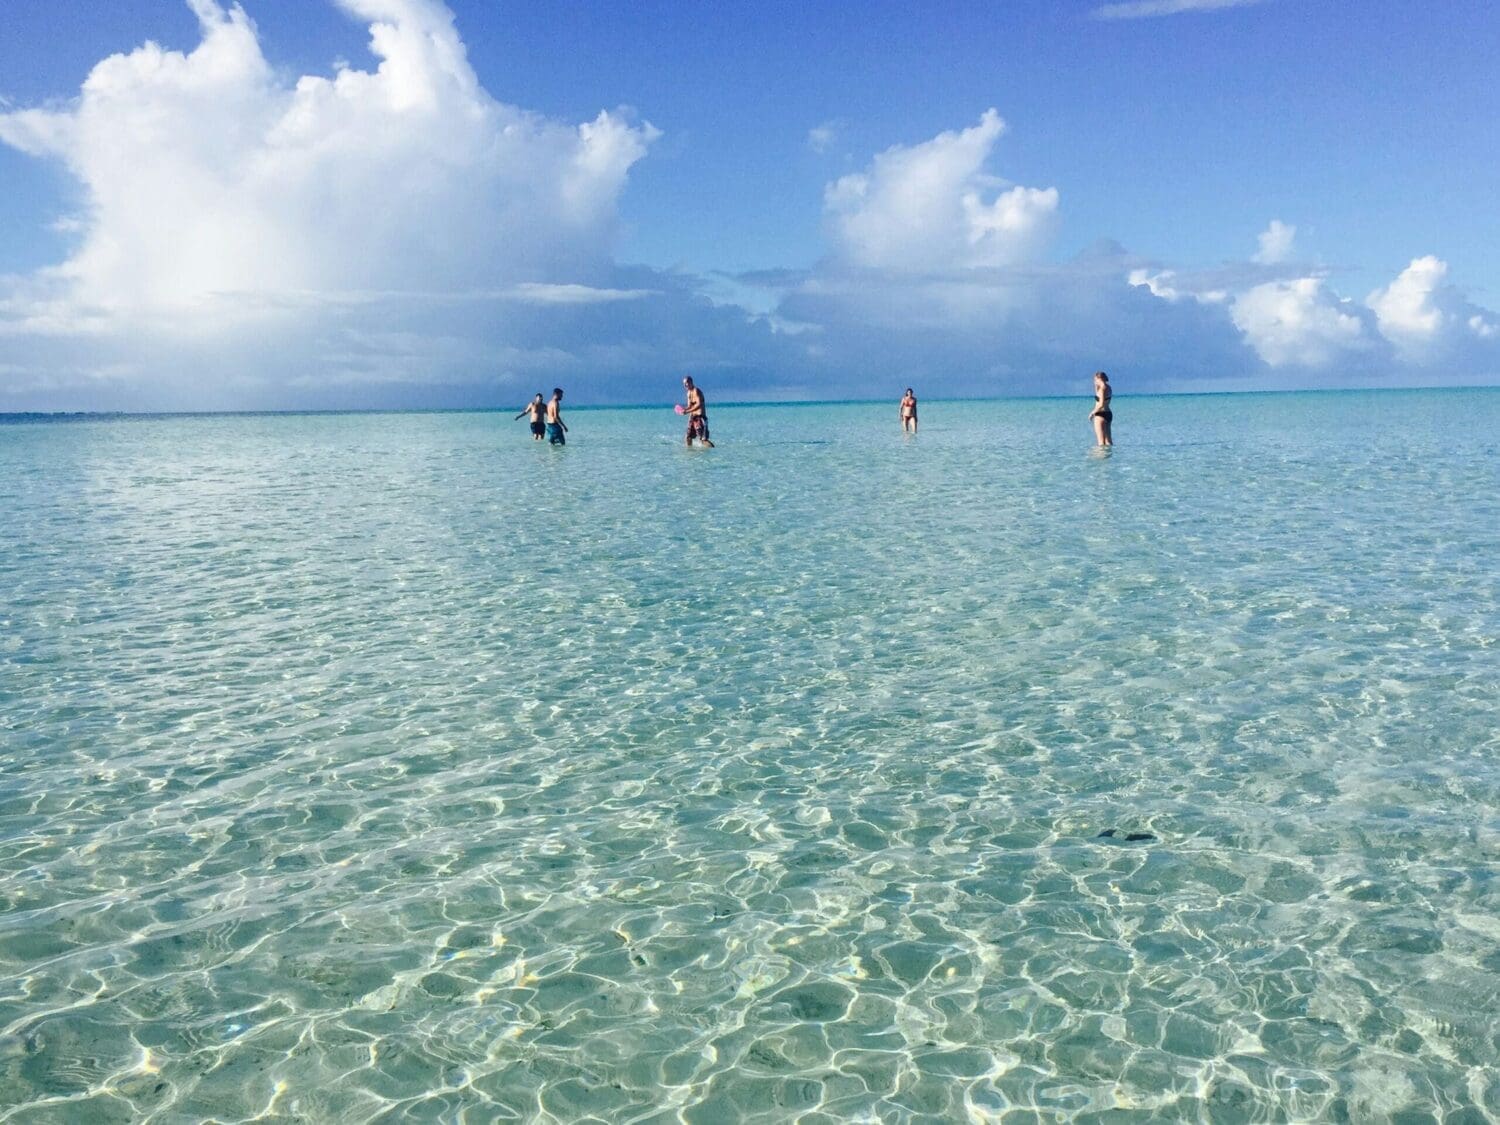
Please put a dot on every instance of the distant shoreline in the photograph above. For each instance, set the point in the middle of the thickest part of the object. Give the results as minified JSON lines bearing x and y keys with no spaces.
{"x":23,"y":416}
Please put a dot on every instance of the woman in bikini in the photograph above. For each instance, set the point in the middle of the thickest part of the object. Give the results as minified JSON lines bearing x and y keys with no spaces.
{"x":909,"y":412}
{"x":1102,"y":415}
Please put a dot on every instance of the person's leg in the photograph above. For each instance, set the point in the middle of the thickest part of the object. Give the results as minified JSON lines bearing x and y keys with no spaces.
{"x":1099,"y":430}
{"x":1109,"y":437}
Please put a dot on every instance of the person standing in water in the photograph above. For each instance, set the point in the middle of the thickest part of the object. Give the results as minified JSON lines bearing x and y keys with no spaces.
{"x":555,"y":425}
{"x":1102,"y":415}
{"x":909,"y":412}
{"x":697,"y":414}
{"x":538,"y":411}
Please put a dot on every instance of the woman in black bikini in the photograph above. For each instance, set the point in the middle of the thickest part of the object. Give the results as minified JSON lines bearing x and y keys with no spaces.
{"x":1102,"y":415}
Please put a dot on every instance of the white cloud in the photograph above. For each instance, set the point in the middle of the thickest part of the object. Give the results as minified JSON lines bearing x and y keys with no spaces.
{"x":927,"y":272}
{"x":1408,"y":309}
{"x":210,"y":180}
{"x":1146,"y":9}
{"x":1275,"y":243}
{"x":1169,"y":286}
{"x":1292,"y":318}
{"x":1431,"y":323}
{"x":819,"y":137}
{"x":395,"y":236}
{"x":1297,"y":322}
{"x":543,"y":294}
{"x":932,"y":207}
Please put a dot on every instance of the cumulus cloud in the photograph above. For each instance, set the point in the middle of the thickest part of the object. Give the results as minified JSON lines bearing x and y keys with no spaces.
{"x":934,"y":264}
{"x":1171,"y":285}
{"x":217,"y":190}
{"x":395,"y":236}
{"x":1408,"y":309}
{"x":1292,"y":317}
{"x":1298,"y":322}
{"x":1275,"y":243}
{"x":1148,"y":9}
{"x":1427,"y":319}
{"x":206,"y":175}
{"x":937,"y":266}
{"x":933,"y":206}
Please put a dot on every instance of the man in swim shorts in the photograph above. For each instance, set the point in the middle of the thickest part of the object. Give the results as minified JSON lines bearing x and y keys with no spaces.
{"x":555,"y":425}
{"x":697,"y":414}
{"x":538,"y":411}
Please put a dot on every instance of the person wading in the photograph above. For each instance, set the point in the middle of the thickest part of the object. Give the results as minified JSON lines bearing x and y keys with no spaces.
{"x":697,"y":414}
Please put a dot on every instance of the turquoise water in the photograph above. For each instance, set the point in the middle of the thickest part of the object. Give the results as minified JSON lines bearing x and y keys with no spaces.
{"x":393,"y":767}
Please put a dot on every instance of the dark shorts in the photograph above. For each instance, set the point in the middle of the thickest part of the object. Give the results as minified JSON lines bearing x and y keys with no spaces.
{"x":698,"y":428}
{"x":539,"y":428}
{"x":555,"y":434}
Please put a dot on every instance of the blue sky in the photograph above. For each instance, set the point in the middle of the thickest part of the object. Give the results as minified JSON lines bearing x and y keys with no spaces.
{"x":794,"y":200}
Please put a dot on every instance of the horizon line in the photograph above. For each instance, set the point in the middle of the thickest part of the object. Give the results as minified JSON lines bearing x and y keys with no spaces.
{"x":718,"y":405}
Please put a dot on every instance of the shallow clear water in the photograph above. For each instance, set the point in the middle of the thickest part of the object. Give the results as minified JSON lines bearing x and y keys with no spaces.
{"x":391,"y":767}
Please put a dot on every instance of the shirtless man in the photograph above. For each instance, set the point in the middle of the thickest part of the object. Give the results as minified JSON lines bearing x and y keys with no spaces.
{"x":909,"y":412}
{"x":555,"y":426}
{"x":697,"y":414}
{"x":538,"y":411}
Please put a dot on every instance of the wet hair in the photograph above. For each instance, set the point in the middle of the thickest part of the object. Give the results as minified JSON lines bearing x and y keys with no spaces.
{"x":908,"y":390}
{"x":539,"y":394}
{"x":1101,"y":375}
{"x":688,"y":379}
{"x":556,"y":391}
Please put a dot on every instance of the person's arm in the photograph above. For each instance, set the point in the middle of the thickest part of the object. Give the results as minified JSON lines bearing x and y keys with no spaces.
{"x":522,"y":414}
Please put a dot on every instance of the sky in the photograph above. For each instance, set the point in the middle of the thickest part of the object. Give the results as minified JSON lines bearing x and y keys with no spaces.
{"x":405,"y":203}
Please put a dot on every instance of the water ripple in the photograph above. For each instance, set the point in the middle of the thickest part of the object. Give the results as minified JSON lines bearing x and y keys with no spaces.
{"x":370,"y":768}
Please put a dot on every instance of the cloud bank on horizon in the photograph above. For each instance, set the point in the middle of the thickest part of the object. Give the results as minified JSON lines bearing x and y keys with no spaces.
{"x":397,"y":236}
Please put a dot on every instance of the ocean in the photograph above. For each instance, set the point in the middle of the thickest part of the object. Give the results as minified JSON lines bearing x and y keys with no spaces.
{"x":377,"y":767}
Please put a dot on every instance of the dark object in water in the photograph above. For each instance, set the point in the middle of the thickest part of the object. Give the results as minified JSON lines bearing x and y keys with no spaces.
{"x":1129,"y":838}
